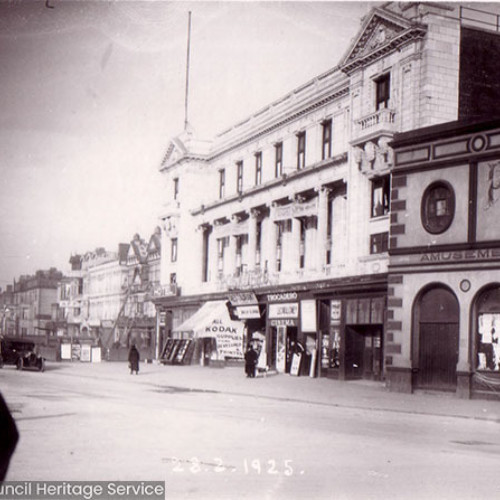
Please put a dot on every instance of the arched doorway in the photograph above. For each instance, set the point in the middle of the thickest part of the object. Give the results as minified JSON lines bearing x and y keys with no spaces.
{"x":436,"y":353}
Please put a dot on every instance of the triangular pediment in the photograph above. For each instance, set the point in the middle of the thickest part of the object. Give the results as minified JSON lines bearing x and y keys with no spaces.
{"x":380,"y":30}
{"x":175,"y":151}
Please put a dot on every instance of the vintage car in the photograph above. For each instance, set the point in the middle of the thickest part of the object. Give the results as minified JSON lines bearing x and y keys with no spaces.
{"x":20,"y":353}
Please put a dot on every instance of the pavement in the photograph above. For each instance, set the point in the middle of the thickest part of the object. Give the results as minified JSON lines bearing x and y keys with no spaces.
{"x":360,"y":394}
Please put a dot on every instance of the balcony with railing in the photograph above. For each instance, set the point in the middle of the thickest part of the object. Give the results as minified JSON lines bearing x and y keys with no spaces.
{"x":380,"y":123}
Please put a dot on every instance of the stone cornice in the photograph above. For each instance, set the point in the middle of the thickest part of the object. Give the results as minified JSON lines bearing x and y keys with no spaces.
{"x":330,"y":162}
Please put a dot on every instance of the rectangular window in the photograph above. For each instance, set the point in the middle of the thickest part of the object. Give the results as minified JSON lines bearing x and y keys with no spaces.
{"x":222,"y":183}
{"x":383,"y":91}
{"x":173,"y":278}
{"x":173,"y":250}
{"x":176,"y":188}
{"x":239,"y":181}
{"x":278,"y":149}
{"x":301,"y":150}
{"x":258,"y":168}
{"x":327,"y":140}
{"x":381,"y":196}
{"x":302,"y":247}
{"x":222,"y":243}
{"x":379,"y":243}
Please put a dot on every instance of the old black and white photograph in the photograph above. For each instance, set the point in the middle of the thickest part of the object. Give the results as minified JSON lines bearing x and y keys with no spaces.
{"x":249,"y":250}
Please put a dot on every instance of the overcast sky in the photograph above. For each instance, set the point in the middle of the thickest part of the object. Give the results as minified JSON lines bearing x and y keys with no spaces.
{"x":91,"y":93}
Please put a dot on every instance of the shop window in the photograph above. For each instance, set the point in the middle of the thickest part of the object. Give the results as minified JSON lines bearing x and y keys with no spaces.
{"x":301,"y":150}
{"x":381,"y":192}
{"x":382,"y":91}
{"x":438,"y":207}
{"x":379,"y":243}
{"x":327,"y":140}
{"x":278,"y":165}
{"x":488,"y":331}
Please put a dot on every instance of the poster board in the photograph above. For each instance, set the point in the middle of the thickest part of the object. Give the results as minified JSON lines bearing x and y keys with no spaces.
{"x":295,"y":367}
{"x":96,"y":354}
{"x":66,"y":351}
{"x":85,"y":353}
{"x":167,"y":350}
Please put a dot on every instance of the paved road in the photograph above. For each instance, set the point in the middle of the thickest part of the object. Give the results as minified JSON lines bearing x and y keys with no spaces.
{"x":213,"y":434}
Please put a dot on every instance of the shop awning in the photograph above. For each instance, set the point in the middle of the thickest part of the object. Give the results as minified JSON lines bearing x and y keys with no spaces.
{"x":199,"y":323}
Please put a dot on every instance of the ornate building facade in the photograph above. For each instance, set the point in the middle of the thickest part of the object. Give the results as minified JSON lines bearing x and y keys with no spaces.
{"x":286,"y":215}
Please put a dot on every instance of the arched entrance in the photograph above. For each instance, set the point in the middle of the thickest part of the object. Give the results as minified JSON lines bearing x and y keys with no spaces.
{"x":436,"y":349}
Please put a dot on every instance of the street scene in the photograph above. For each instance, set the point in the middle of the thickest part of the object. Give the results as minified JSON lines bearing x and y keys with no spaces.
{"x":213,"y":433}
{"x":250,"y":249}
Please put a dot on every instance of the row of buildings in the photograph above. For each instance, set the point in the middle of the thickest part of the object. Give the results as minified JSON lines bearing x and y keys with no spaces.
{"x":104,"y":300}
{"x":348,"y":228}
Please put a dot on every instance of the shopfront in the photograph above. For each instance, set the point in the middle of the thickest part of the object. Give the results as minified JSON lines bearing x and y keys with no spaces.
{"x":292,"y":333}
{"x":352,"y":331}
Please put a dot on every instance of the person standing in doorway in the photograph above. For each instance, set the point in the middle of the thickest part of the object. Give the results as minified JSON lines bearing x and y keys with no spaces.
{"x":251,"y":357}
{"x":133,"y":360}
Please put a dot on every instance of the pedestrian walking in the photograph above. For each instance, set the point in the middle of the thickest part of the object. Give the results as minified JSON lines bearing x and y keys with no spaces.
{"x":251,"y":357}
{"x":133,"y":360}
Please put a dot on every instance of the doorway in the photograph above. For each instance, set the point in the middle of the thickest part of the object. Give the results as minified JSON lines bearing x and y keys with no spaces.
{"x":438,"y":336}
{"x":363,"y":351}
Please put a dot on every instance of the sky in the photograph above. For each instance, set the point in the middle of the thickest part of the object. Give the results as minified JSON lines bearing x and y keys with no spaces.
{"x":91,"y":92}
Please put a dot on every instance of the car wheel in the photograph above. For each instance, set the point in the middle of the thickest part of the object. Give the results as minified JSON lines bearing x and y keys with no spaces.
{"x":19,"y":363}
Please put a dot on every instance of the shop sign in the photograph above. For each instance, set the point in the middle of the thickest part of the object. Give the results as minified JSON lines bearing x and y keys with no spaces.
{"x":335,"y":312}
{"x":308,"y":315}
{"x":242,"y":298}
{"x":287,"y":310}
{"x":283,"y":322}
{"x":248,"y":312}
{"x":296,"y":209}
{"x":482,"y":254}
{"x":282,"y":297}
{"x":163,"y":318}
{"x":107,"y":323}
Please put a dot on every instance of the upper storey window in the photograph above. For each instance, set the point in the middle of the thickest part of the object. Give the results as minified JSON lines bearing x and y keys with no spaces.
{"x":301,"y":150}
{"x":222,"y":183}
{"x":327,"y":140}
{"x":382,"y":91}
{"x":258,"y":168}
{"x":176,"y":188}
{"x":381,"y":195}
{"x":239,"y":177}
{"x":278,"y":163}
{"x":438,"y":207}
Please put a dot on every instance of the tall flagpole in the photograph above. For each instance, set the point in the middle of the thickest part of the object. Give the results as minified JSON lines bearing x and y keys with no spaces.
{"x":187,"y":73}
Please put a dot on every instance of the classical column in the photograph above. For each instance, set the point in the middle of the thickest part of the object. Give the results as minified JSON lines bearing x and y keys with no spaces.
{"x":252,"y":238}
{"x":294,"y":253}
{"x":321,"y":236}
{"x":231,"y":260}
{"x":270,"y":243}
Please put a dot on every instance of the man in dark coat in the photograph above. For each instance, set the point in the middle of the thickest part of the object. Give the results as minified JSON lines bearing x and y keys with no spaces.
{"x":8,"y":437}
{"x":251,"y":357}
{"x":133,"y":360}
